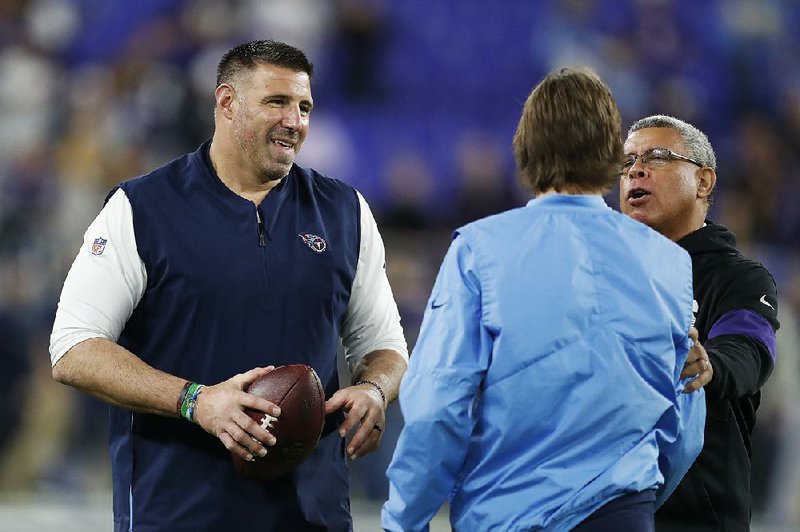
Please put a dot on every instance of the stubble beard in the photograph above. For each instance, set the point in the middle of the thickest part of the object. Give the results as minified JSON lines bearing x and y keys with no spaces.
{"x":271,"y":170}
{"x":257,"y":151}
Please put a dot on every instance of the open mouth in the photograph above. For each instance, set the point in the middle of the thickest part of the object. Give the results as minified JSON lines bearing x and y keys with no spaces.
{"x":637,"y":193}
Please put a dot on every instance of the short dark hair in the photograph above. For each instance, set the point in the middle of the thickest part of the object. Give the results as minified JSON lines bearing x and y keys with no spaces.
{"x":251,"y":54}
{"x":569,"y":134}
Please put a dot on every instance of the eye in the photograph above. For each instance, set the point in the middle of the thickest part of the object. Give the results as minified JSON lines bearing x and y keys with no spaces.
{"x":657,"y":159}
{"x":628,"y":162}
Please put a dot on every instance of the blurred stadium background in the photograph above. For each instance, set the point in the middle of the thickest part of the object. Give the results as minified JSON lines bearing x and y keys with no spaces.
{"x":416,"y":104}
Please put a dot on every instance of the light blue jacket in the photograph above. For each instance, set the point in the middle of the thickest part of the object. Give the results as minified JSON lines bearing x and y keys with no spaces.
{"x":545,"y":380}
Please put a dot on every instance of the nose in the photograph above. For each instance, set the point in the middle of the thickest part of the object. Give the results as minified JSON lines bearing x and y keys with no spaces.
{"x":293,"y":118}
{"x":637,"y":169}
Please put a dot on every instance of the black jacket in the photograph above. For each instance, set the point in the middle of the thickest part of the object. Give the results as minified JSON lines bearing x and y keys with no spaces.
{"x":736,"y":316}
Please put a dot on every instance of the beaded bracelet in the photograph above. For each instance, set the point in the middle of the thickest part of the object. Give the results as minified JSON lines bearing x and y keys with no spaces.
{"x":380,"y":390}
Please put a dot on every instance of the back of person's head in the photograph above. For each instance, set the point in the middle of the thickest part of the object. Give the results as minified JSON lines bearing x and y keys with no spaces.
{"x":248,"y":56}
{"x":569,"y":136}
{"x":696,"y":142}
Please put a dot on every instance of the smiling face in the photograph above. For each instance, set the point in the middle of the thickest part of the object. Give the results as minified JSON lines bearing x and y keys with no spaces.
{"x":670,"y":198}
{"x":266,"y":113}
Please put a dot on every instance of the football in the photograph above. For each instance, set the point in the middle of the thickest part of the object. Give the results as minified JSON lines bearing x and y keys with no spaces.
{"x":297,"y":390}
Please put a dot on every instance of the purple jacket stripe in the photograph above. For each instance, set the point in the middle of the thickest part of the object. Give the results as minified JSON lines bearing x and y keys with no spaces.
{"x":746,"y":323}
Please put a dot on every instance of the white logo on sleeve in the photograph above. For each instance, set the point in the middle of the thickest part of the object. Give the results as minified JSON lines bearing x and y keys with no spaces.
{"x":764,"y":300}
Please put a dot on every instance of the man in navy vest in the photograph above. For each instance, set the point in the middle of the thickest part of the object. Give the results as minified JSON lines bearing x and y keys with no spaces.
{"x":199,"y":277}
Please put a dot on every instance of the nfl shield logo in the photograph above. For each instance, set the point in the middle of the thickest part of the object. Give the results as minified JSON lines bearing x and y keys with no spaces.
{"x":316,"y":243}
{"x":99,"y":246}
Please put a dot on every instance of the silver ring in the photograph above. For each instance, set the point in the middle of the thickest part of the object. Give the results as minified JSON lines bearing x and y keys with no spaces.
{"x":376,"y":427}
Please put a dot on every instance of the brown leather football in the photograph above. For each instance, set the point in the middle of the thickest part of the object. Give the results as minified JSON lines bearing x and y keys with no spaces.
{"x":295,"y":388}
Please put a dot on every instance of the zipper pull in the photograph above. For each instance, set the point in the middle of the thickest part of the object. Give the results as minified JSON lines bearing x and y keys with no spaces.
{"x":262,"y":234}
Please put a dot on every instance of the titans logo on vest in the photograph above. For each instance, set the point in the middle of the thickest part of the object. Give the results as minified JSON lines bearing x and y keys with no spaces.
{"x":316,"y":243}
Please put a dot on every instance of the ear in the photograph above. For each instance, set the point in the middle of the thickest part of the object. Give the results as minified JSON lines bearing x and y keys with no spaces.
{"x":225,"y":96}
{"x":706,"y":180}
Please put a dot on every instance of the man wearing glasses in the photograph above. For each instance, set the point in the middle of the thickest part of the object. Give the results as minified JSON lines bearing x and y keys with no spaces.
{"x":667,"y":182}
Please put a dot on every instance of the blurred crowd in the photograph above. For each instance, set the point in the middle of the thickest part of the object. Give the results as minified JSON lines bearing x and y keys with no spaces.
{"x":415,"y":105}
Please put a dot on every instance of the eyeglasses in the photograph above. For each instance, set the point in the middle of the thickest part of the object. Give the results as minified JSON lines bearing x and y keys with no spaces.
{"x":657,"y":158}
